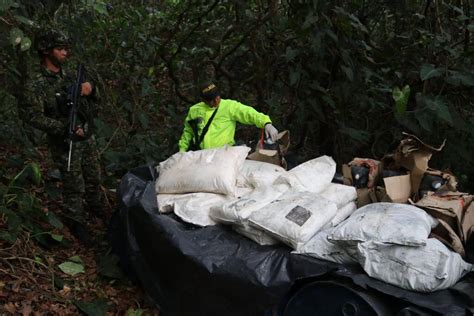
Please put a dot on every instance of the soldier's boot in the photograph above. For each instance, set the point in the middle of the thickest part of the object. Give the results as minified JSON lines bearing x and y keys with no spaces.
{"x":75,"y":219}
{"x":80,"y":231}
{"x":95,"y":204}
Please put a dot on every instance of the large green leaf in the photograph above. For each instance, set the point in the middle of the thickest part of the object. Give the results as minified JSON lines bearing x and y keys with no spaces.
{"x":429,"y":71}
{"x":94,"y":308}
{"x":25,"y":43}
{"x":16,"y":36}
{"x":54,"y":220}
{"x":71,"y":268}
{"x":441,"y":110}
{"x":31,"y":171}
{"x":458,"y":78}
{"x":24,"y":20}
{"x":401,"y":98}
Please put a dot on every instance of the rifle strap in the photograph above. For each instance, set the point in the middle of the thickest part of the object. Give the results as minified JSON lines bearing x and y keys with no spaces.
{"x":204,"y":130}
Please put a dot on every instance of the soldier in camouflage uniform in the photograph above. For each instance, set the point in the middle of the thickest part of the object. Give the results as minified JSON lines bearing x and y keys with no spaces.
{"x":45,"y":104}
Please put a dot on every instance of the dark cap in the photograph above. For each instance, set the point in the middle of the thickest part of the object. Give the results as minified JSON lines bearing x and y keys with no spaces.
{"x":51,"y":38}
{"x":209,"y":92}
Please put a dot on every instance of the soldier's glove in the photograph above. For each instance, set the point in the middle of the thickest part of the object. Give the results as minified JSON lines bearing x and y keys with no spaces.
{"x":271,"y":132}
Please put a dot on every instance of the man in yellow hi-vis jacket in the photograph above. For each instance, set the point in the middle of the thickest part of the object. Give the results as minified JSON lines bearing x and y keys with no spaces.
{"x":211,"y":123}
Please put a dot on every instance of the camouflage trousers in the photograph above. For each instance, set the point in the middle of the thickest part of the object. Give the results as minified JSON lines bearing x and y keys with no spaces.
{"x":82,"y":182}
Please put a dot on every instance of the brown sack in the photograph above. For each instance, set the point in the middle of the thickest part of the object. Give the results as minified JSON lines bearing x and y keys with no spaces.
{"x":454,"y":208}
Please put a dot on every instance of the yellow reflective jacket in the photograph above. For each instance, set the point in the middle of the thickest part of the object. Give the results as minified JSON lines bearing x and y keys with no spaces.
{"x":222,"y":128}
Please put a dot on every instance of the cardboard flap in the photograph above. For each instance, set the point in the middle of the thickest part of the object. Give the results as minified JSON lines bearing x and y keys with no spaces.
{"x":413,"y":154}
{"x":468,"y":222}
{"x":420,"y":144}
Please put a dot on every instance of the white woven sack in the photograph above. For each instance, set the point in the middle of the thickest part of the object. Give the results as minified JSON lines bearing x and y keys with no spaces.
{"x":321,"y":248}
{"x":238,"y":210}
{"x":258,"y":173}
{"x":339,"y":193}
{"x":341,"y":214}
{"x":425,"y":269}
{"x":258,"y":236}
{"x":294,"y":217}
{"x":312,"y":176}
{"x":210,"y":170}
{"x":392,"y":223}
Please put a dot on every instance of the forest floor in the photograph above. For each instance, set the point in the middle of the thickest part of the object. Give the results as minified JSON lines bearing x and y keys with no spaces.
{"x":33,"y":283}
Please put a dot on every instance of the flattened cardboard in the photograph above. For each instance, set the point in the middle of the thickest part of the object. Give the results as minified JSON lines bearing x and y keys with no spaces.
{"x":398,"y":188}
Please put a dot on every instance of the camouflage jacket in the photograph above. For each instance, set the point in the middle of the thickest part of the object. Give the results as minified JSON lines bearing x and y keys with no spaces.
{"x":44,"y":103}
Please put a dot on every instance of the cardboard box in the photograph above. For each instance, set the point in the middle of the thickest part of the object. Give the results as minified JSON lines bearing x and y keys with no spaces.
{"x":398,"y":188}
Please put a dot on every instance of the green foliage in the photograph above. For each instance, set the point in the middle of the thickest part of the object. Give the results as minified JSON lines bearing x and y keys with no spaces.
{"x":21,"y":208}
{"x":346,"y":77}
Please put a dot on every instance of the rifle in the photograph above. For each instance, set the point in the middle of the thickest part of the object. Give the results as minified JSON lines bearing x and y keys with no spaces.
{"x":73,"y":94}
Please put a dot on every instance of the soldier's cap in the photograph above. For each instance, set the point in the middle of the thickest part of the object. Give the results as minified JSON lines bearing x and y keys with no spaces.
{"x":51,"y":38}
{"x":209,"y":92}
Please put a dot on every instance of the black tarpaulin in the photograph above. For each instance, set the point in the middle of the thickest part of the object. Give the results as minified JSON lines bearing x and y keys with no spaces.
{"x":189,"y":270}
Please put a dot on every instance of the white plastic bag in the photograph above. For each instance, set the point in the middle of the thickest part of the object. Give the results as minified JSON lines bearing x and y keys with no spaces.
{"x":339,"y":193}
{"x":259,"y":236}
{"x":192,"y":208}
{"x":321,"y":248}
{"x":312,"y":176}
{"x":237,"y":211}
{"x":342,"y":213}
{"x":255,"y":174}
{"x":294,"y":217}
{"x":210,"y":170}
{"x":425,"y":269}
{"x":392,"y":223}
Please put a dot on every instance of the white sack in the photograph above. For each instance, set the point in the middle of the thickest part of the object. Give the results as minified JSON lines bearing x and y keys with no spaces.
{"x":238,"y":210}
{"x":339,"y":193}
{"x":312,"y":176}
{"x":194,"y":207}
{"x":425,"y":269}
{"x":294,"y":217}
{"x":321,"y":248}
{"x":342,"y":213}
{"x":393,"y":223}
{"x":258,"y":173}
{"x":210,"y":170}
{"x":259,"y":236}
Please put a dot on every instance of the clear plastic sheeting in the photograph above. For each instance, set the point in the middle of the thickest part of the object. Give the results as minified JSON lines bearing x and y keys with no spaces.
{"x":188,"y":270}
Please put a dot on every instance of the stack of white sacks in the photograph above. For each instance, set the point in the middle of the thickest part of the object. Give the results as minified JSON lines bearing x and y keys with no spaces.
{"x":304,"y":210}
